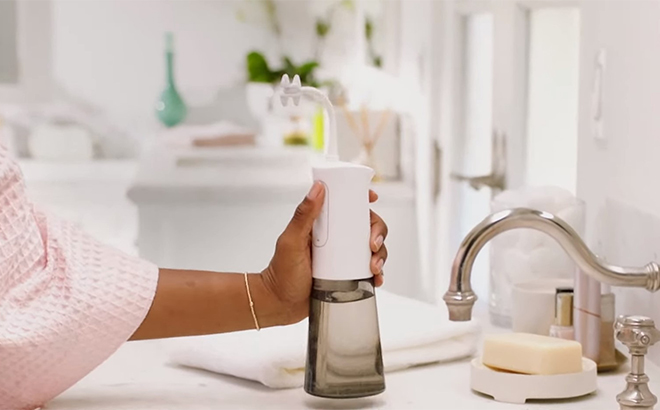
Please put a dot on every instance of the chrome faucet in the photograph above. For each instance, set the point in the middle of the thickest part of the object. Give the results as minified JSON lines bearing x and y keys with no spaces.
{"x":460,"y":298}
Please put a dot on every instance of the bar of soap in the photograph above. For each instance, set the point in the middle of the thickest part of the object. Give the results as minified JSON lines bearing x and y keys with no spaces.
{"x":532,"y":354}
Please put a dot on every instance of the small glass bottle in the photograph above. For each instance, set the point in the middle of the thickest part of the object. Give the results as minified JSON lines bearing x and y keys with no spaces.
{"x":563,"y":326}
{"x":607,"y":358}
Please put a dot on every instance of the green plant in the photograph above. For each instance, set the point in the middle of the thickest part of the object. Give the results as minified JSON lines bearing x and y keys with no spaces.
{"x":243,"y":14}
{"x":259,"y":70}
{"x":324,"y":24}
{"x":376,"y":60}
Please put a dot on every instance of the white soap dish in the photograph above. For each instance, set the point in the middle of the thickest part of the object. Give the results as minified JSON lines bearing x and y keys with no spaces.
{"x":518,"y":388}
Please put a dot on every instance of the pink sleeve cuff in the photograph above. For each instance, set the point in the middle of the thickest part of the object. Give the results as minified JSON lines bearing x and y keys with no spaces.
{"x":67,"y":302}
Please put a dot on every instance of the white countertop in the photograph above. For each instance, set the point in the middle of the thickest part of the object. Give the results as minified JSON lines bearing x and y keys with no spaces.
{"x":138,"y":377}
{"x":173,"y":168}
{"x":97,"y":171}
{"x":173,"y":175}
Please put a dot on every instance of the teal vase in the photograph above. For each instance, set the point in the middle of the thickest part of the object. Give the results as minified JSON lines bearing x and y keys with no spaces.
{"x":171,"y":109}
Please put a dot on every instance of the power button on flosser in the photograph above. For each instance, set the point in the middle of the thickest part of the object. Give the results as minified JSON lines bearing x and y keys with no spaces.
{"x":320,"y":230}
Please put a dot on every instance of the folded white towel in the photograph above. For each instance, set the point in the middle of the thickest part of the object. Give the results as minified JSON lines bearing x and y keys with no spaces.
{"x":185,"y":135}
{"x":412,"y":333}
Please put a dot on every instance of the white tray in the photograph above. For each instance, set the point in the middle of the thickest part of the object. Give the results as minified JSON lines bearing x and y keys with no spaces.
{"x":518,"y":388}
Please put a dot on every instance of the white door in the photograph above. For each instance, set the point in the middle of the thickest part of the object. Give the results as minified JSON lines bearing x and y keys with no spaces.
{"x":507,"y":112}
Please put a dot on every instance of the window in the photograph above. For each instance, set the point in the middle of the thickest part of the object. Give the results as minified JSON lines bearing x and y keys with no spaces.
{"x":552,"y":111}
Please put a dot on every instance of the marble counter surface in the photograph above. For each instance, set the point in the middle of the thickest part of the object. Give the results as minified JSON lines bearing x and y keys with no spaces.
{"x":139,"y":377}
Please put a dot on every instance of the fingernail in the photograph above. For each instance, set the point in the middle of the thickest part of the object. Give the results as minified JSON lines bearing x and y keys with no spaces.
{"x":315,"y":191}
{"x":379,"y":241}
{"x":379,"y":265}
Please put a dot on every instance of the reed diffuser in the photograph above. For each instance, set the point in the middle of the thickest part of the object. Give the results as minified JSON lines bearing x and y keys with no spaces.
{"x":367,"y":138}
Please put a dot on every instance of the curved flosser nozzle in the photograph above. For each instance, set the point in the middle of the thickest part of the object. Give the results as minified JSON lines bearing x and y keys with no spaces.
{"x":294,"y":90}
{"x":290,"y":90}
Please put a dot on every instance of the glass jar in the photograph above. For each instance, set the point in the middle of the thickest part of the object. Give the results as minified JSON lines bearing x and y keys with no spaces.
{"x":297,"y":131}
{"x":522,"y":255}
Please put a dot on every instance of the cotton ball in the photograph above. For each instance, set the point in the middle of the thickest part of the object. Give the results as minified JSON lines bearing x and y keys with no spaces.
{"x":574,"y":216}
{"x":505,"y":239}
{"x":498,"y":257}
{"x":529,"y":239}
{"x":550,"y":262}
{"x":515,"y":265}
{"x":549,"y":198}
{"x":506,"y":200}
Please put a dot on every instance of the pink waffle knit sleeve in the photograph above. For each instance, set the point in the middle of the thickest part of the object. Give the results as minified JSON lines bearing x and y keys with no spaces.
{"x":67,"y":302}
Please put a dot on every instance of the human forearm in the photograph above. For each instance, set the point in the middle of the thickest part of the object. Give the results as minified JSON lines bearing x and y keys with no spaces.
{"x":189,"y":303}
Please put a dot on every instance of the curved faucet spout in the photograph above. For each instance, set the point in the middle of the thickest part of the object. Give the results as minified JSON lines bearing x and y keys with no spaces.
{"x":460,"y":298}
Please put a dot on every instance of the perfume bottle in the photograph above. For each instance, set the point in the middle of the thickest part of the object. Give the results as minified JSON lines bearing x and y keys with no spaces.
{"x":563,"y":326}
{"x":170,"y":108}
{"x":607,"y":359}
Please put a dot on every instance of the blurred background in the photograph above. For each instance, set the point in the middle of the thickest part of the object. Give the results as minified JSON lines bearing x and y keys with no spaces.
{"x":152,"y":125}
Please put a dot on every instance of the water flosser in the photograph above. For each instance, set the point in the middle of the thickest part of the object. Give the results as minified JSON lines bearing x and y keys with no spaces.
{"x":344,"y":358}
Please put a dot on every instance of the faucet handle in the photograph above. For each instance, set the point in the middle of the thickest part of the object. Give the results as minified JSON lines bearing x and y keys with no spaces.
{"x":638,"y":333}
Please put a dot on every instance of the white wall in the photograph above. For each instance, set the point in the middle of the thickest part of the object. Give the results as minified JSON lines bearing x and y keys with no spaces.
{"x":110,"y":52}
{"x":34,"y":53}
{"x":619,"y":177}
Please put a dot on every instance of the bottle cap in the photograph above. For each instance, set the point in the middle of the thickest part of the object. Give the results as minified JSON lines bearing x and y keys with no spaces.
{"x":564,"y":307}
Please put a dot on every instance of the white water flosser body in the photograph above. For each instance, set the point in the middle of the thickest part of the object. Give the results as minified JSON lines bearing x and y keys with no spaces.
{"x":344,"y":357}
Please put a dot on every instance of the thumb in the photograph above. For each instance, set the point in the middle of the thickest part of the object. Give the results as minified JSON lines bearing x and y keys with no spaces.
{"x":303,"y":219}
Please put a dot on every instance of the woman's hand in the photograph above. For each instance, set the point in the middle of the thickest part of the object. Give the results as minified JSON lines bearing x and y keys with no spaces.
{"x":289,"y":275}
{"x":192,"y":303}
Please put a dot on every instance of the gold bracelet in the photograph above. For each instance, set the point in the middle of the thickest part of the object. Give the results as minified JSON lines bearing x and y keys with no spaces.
{"x":254,"y":315}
